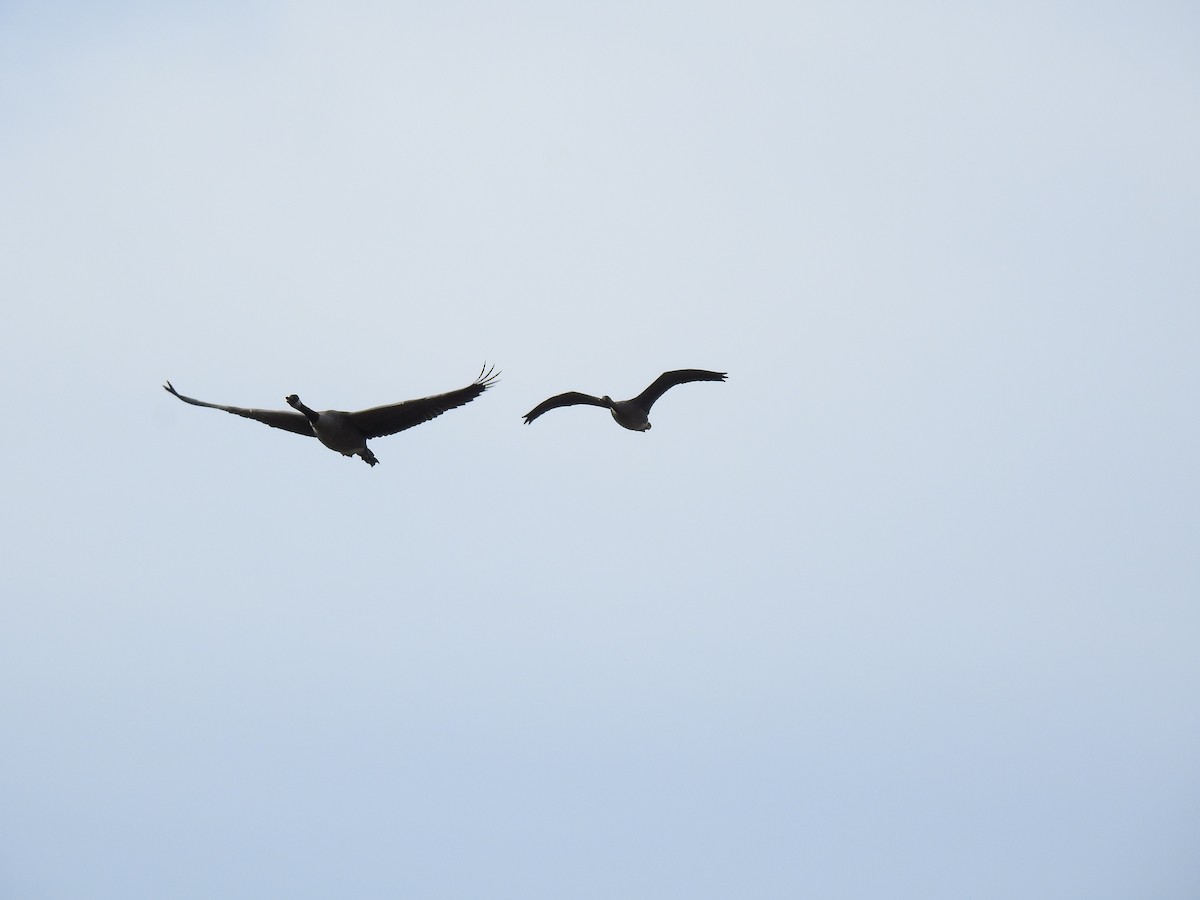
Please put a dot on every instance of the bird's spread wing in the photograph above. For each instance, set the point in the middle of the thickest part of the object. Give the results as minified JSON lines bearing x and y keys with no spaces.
{"x":381,"y":420}
{"x":668,"y":380}
{"x":277,"y":418}
{"x":571,"y":398}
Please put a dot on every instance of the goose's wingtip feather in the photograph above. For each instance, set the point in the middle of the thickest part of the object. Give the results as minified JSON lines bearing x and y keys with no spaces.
{"x":487,"y":376}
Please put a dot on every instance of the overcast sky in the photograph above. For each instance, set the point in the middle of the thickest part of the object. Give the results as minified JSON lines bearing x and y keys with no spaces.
{"x":907,"y":608}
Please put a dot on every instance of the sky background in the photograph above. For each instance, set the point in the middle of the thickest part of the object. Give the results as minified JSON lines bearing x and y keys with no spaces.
{"x":906,"y":608}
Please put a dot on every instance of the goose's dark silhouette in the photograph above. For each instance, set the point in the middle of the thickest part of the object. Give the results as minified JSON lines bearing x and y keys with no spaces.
{"x":632,"y":414}
{"x":347,"y":432}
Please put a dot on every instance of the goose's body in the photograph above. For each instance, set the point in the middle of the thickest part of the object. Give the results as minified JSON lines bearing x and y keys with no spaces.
{"x":347,"y":432}
{"x":633,"y":414}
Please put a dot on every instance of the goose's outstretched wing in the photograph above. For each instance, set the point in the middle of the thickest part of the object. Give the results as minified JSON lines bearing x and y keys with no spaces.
{"x":277,"y":418}
{"x":382,"y":420}
{"x":668,"y":380}
{"x":571,"y":398}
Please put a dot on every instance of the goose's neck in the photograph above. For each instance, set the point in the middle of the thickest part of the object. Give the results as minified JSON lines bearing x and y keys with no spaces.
{"x":311,"y":414}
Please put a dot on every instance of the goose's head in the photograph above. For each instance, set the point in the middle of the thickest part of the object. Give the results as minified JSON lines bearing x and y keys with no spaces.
{"x":294,"y":402}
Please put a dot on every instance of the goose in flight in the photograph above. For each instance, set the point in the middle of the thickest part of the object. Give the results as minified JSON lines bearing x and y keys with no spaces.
{"x":347,"y":432}
{"x":632,"y":414}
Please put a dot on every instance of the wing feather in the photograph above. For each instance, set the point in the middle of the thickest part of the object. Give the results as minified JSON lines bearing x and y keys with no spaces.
{"x":383,"y":420}
{"x":277,"y":418}
{"x":668,"y":380}
{"x":571,"y":398}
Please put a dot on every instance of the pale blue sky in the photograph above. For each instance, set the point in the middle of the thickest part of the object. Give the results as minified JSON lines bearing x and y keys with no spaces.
{"x":907,"y":608}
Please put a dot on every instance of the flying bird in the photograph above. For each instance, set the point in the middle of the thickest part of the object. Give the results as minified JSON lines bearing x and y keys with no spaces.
{"x":632,"y":414}
{"x":347,"y":432}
